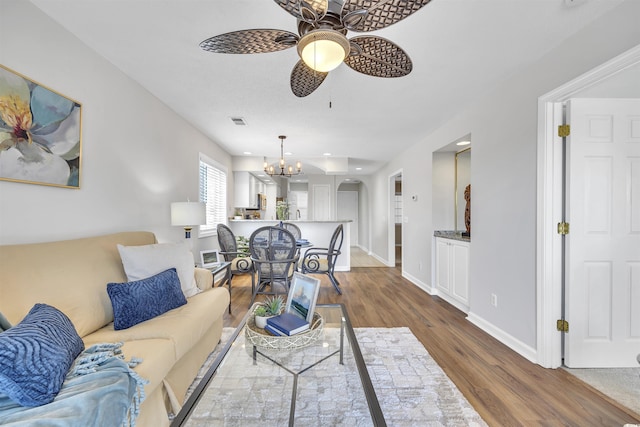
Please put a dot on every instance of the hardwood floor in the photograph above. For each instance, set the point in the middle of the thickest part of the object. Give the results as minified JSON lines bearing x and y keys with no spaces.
{"x":505,"y":388}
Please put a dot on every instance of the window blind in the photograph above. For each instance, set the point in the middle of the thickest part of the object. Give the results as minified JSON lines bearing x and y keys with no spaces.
{"x":213,"y":192}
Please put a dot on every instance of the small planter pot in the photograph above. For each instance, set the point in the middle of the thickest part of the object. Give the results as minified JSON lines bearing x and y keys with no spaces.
{"x":261,"y":321}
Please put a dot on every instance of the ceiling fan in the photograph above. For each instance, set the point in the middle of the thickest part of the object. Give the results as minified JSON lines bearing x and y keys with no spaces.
{"x":321,"y":40}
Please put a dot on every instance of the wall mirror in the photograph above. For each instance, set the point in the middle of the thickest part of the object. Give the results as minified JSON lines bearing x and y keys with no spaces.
{"x":462,"y":180}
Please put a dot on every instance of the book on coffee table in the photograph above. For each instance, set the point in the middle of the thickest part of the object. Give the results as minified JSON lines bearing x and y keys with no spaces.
{"x":274,"y":331}
{"x":288,"y":323}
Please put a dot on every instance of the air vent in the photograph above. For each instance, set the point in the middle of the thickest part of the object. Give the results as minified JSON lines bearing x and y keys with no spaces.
{"x":239,"y":121}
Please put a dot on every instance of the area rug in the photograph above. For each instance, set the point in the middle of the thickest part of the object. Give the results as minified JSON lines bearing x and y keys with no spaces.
{"x":411,"y":388}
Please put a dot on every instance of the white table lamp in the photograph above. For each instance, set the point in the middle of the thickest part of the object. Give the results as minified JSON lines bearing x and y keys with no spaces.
{"x":188,"y":214}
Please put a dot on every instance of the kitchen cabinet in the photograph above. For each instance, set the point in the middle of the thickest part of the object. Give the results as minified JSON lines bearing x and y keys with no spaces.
{"x":452,"y":271}
{"x":246,"y":189}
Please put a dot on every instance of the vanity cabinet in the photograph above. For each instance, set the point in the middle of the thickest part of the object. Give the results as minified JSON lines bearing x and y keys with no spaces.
{"x":452,"y":271}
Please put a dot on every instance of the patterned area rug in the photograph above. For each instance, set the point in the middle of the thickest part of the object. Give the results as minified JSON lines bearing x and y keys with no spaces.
{"x":411,"y":388}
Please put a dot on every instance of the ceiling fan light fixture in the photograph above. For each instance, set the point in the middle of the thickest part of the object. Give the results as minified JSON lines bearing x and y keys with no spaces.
{"x":323,"y":50}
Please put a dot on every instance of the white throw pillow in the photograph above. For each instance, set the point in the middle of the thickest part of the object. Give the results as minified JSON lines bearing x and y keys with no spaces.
{"x":145,"y":261}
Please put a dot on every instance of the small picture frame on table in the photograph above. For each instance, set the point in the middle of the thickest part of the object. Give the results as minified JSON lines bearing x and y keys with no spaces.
{"x":302,"y":297}
{"x":208,"y":258}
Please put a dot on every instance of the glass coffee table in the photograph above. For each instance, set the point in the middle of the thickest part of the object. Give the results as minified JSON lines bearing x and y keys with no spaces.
{"x":324,"y":383}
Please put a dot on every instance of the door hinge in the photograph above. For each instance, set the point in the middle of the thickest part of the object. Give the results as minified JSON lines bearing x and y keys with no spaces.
{"x":562,"y":325}
{"x":564,"y":131}
{"x":563,"y":228}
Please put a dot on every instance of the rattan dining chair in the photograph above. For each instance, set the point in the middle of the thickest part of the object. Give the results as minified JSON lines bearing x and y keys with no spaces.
{"x":323,"y":260}
{"x":294,"y":229}
{"x":240,"y":261}
{"x":273,"y":253}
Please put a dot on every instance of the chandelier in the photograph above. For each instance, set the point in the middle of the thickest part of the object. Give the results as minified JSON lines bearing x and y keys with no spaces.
{"x":284,"y":169}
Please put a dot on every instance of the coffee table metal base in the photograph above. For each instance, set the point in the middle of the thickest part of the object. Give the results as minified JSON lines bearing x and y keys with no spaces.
{"x":296,"y":373}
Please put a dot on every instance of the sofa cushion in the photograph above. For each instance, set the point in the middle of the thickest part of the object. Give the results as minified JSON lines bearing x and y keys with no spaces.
{"x":145,"y":299}
{"x":70,"y":275}
{"x":36,"y":354}
{"x":184,"y":326}
{"x":140,"y":262}
{"x":157,"y":360}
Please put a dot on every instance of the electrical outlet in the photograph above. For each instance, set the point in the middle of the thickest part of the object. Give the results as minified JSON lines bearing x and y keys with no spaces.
{"x":494,"y":300}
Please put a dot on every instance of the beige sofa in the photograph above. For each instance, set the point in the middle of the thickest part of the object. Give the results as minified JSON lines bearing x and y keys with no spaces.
{"x":72,"y":276}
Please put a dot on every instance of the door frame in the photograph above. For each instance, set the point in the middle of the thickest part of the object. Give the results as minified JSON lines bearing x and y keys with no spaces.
{"x":391,"y":223}
{"x":549,"y":200}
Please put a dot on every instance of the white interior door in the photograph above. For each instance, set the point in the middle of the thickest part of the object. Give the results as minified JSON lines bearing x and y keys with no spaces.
{"x":321,"y":203}
{"x":603,"y":246}
{"x":348,"y":209}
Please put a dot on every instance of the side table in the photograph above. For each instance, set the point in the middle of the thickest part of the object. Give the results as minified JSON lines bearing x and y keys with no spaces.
{"x":220,"y":267}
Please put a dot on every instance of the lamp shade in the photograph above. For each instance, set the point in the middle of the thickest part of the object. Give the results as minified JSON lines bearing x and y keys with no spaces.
{"x":188,"y":213}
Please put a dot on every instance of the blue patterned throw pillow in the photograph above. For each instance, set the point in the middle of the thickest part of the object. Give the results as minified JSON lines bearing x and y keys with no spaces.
{"x":36,"y":354}
{"x":135,"y":302}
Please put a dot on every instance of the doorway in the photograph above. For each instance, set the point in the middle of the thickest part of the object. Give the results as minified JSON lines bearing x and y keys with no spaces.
{"x":549,"y":268}
{"x":347,"y":208}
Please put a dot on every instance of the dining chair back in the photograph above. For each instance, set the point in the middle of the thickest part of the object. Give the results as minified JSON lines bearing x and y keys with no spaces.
{"x":273,"y":253}
{"x":294,"y":229}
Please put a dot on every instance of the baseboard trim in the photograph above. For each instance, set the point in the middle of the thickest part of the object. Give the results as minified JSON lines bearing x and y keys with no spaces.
{"x":424,"y":286}
{"x":514,"y":344}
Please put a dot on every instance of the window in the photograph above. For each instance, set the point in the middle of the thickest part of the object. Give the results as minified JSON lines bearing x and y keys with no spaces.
{"x":213,"y":192}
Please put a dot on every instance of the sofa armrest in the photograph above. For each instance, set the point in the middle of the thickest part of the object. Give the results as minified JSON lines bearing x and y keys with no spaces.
{"x":204,"y":278}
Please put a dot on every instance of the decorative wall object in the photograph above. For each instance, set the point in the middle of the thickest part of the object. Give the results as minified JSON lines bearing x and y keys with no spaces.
{"x":40,"y":133}
{"x":467,"y":209}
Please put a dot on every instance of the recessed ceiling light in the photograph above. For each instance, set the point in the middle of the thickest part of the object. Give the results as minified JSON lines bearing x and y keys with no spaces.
{"x":326,"y":154}
{"x":358,"y":169}
{"x":247,"y":153}
{"x":464,"y":143}
{"x":288,"y":153}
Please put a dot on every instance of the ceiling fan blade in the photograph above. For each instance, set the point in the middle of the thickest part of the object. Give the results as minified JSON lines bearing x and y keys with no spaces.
{"x":379,"y":13}
{"x":378,"y":57}
{"x":304,"y":80}
{"x":293,"y":6}
{"x":250,"y":41}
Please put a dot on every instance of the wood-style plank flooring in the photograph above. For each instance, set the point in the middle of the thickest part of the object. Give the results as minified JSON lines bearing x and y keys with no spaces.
{"x":505,"y":388}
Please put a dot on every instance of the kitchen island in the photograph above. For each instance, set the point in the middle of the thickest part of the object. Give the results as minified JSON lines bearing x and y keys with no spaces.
{"x":318,"y":233}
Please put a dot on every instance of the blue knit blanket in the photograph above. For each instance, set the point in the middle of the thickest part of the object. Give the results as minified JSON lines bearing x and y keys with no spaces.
{"x":100,"y":389}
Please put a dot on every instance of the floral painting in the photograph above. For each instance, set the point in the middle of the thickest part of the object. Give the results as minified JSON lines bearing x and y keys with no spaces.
{"x":40,"y":133}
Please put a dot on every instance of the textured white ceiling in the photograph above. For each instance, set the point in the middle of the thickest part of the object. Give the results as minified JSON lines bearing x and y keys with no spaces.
{"x":459,"y":48}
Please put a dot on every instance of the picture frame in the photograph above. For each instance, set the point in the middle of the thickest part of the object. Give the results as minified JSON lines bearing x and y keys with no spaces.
{"x":209,"y":258}
{"x":303,"y":294}
{"x":40,"y":133}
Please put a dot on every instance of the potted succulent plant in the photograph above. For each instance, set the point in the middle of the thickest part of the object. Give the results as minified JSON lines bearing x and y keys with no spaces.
{"x":272,"y":306}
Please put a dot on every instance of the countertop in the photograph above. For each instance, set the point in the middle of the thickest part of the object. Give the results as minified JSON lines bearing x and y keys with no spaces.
{"x":453,"y":235}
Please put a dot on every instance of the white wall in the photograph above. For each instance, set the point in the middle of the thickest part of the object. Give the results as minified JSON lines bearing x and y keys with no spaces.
{"x":503,"y":177}
{"x":138,"y":156}
{"x":442,"y":184}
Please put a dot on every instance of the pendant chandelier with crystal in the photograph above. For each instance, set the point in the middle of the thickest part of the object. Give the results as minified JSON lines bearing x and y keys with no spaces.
{"x":282,"y":169}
